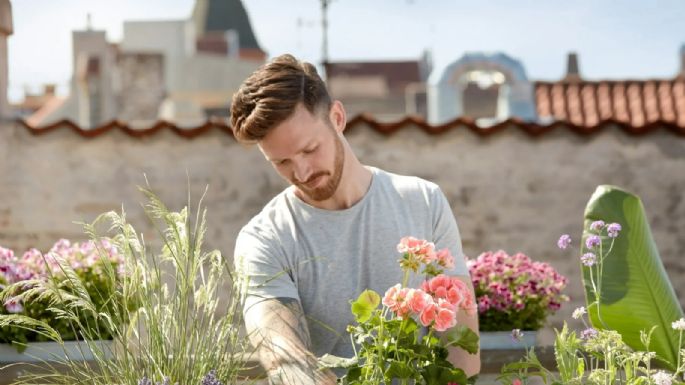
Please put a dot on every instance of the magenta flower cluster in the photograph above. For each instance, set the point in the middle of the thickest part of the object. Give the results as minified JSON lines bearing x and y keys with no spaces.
{"x":515,"y":286}
{"x":35,"y":265}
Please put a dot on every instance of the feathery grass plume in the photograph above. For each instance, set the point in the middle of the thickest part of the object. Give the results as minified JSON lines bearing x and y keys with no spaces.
{"x":170,"y":314}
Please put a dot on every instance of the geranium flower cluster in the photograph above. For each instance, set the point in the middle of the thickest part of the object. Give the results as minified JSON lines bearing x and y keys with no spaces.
{"x":515,"y":292}
{"x":387,"y":338}
{"x":417,"y":252}
{"x":35,"y":265}
{"x":435,"y":304}
{"x":439,"y":299}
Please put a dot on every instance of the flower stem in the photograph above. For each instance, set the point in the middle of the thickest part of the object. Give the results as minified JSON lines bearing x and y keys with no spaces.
{"x":405,"y":279}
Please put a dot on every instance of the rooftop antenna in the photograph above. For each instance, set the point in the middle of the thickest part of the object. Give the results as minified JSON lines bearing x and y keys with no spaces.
{"x":324,"y":27}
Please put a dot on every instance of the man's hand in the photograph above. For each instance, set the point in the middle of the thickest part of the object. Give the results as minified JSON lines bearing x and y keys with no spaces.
{"x":278,"y":330}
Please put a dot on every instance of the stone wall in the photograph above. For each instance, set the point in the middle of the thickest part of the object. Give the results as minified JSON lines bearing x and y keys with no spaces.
{"x":508,"y":190}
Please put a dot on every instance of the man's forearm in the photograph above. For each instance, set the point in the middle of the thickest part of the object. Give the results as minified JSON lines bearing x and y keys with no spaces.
{"x":278,"y":329}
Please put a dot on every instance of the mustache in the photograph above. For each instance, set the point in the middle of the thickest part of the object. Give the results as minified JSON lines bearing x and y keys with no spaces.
{"x":314,"y":176}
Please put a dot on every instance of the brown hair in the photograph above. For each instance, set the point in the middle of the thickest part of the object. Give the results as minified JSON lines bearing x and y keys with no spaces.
{"x":269,"y":96}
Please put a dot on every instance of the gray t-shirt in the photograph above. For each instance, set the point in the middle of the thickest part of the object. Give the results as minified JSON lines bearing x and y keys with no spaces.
{"x":326,"y":258}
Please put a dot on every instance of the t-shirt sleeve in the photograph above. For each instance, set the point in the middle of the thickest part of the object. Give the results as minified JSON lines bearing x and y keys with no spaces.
{"x":259,"y":258}
{"x":446,"y":232}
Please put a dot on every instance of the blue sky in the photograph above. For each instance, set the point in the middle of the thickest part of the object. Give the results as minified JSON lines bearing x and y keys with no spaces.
{"x":616,"y":39}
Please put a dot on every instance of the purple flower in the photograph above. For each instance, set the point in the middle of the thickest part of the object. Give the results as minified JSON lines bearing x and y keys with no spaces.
{"x":13,"y":305}
{"x":516,"y":335}
{"x":588,"y":333}
{"x":6,"y":254}
{"x":613,"y":229}
{"x":588,"y":259}
{"x":593,"y":241}
{"x":210,"y":379}
{"x":597,"y":225}
{"x":564,"y":241}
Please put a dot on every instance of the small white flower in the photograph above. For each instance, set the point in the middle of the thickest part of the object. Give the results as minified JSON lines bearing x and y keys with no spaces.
{"x":516,"y":335}
{"x":579,"y":313}
{"x":679,"y":324}
{"x":662,"y":378}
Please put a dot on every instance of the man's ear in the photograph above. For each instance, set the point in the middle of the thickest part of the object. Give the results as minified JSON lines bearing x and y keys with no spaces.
{"x":338,"y":116}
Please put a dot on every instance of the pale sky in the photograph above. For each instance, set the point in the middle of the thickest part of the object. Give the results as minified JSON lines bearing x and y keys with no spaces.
{"x":615,"y":39}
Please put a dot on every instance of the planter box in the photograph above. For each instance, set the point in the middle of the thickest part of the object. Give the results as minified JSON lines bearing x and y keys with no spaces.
{"x":53,"y":351}
{"x":503,"y":340}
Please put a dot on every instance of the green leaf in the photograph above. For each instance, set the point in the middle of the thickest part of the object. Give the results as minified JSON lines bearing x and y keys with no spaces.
{"x":463,"y":337}
{"x":636,"y":293}
{"x":365,"y":304}
{"x":331,"y":361}
{"x":353,"y":374}
{"x":566,"y":348}
{"x":399,"y":370}
{"x":441,"y":375}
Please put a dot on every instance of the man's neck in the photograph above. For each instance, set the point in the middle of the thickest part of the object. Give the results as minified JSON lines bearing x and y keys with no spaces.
{"x":354,"y":183}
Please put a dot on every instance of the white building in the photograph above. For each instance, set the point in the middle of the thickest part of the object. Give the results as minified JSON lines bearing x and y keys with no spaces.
{"x":175,"y":70}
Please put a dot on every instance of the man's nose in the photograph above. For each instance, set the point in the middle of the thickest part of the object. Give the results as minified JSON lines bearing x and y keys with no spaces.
{"x":302,"y":170}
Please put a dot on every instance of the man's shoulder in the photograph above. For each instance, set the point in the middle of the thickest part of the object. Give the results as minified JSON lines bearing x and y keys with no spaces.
{"x":266,"y":222}
{"x":405,"y":184}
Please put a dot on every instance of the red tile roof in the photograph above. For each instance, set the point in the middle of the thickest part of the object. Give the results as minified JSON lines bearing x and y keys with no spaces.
{"x":633,"y":102}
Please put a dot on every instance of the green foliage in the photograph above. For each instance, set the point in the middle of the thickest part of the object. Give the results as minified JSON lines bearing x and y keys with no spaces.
{"x":173,"y":315}
{"x":463,"y":337}
{"x":395,"y":349}
{"x":96,"y":288}
{"x":635,"y":292}
{"x":532,"y":317}
{"x":630,"y":302}
{"x":365,"y":304}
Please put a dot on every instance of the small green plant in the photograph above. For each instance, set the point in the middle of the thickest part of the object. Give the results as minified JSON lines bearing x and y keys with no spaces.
{"x":598,"y":354}
{"x":24,"y":272}
{"x":186,"y":322}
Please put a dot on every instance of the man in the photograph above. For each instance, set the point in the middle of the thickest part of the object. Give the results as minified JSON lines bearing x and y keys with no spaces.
{"x":329,"y":236}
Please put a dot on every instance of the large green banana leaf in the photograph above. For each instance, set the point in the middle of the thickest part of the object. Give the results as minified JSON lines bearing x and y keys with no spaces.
{"x":636,"y":293}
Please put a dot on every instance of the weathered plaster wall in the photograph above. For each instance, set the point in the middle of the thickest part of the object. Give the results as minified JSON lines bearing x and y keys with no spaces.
{"x":507,"y":190}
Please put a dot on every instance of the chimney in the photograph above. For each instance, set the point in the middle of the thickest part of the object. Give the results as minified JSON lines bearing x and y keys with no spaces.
{"x":49,"y":89}
{"x":682,"y":61}
{"x":572,"y":68}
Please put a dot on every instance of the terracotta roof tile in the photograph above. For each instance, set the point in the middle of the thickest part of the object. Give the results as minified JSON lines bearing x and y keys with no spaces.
{"x":632,"y":102}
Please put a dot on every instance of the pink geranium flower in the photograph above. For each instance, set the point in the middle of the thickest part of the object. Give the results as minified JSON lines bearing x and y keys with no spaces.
{"x":445,"y":317}
{"x":417,"y":300}
{"x":445,"y":259}
{"x":420,"y":248}
{"x":428,"y":314}
{"x":395,"y":299}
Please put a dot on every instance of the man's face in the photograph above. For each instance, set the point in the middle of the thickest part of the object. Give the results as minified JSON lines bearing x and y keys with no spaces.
{"x":306,"y":150}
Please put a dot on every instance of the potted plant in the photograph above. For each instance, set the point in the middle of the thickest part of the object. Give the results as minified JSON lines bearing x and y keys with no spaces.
{"x":633,"y":322}
{"x":21,"y":278}
{"x":392,"y":347}
{"x":514,"y":295}
{"x":174,"y":315}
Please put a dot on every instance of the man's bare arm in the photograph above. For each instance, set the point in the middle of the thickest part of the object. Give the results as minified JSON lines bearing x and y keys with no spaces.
{"x":278,"y":330}
{"x":469,"y":363}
